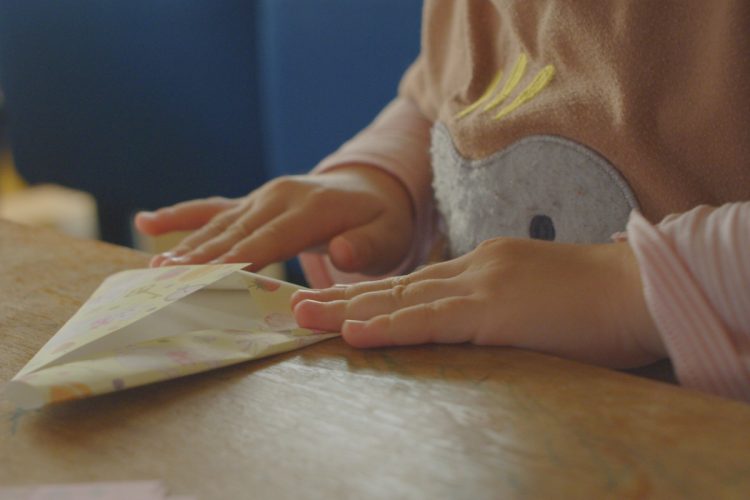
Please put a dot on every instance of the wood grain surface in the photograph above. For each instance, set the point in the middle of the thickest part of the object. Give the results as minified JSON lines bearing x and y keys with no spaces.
{"x":333,"y":422}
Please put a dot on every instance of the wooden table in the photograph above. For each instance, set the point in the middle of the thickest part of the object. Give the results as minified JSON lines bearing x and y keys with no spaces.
{"x":333,"y":422}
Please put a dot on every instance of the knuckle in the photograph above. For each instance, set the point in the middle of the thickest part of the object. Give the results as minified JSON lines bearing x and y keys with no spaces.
{"x":419,"y":289}
{"x":236,"y":253}
{"x":356,"y":303}
{"x":400,"y":280}
{"x":202,"y":251}
{"x":490,"y":245}
{"x":351,"y":292}
{"x":388,"y":323}
{"x":429,"y":318}
{"x":399,"y":293}
{"x":219,"y":223}
{"x":384,"y":323}
{"x":211,"y":230}
{"x":502,"y":246}
{"x":189,"y":243}
{"x":282,"y":184}
{"x":320,"y":198}
{"x":182,"y":249}
{"x":432,"y":309}
{"x":436,"y":312}
{"x":217,"y":199}
{"x":498,"y":259}
{"x":274,"y":233}
{"x":406,"y":291}
{"x":237,"y":230}
{"x":277,"y":188}
{"x":167,"y":211}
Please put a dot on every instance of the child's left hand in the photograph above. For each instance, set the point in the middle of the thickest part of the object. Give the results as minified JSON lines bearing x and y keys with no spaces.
{"x":577,"y":301}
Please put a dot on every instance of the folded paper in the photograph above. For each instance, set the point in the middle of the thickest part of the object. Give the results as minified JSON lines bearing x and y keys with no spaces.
{"x":148,"y":325}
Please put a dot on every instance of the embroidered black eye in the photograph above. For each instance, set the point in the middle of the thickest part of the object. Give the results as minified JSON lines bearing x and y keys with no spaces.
{"x":542,"y":228}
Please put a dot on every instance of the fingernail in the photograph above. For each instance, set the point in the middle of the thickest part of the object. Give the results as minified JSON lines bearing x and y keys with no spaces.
{"x":146,"y":213}
{"x":354,"y":326}
{"x":176,"y":261}
{"x":168,"y":255}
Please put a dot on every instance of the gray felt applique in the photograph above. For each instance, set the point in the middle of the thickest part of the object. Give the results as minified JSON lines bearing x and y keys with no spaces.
{"x":543,"y":187}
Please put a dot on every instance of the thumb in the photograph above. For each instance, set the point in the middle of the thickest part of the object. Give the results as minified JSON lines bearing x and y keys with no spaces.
{"x":374,"y":248}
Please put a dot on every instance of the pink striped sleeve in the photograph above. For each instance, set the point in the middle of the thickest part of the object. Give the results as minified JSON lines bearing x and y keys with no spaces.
{"x":695,"y":269}
{"x":398,"y":142}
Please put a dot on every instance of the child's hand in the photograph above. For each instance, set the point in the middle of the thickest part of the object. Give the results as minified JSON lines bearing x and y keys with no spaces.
{"x":578,"y":301}
{"x":363,"y":214}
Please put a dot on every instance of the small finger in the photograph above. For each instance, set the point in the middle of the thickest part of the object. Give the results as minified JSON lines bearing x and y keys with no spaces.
{"x":445,"y":321}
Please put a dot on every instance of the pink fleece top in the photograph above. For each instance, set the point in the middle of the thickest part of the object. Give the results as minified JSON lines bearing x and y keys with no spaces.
{"x":695,"y":266}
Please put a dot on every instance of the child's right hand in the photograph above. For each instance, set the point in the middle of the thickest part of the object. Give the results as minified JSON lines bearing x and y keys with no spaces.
{"x":363,"y":215}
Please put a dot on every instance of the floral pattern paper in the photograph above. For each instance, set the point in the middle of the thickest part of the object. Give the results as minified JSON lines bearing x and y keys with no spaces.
{"x":148,"y":325}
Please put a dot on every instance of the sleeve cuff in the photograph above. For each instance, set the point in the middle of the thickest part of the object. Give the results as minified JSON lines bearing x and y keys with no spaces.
{"x":702,"y":351}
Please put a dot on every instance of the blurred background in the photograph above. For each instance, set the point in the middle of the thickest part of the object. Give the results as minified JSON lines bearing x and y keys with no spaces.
{"x":107,"y":108}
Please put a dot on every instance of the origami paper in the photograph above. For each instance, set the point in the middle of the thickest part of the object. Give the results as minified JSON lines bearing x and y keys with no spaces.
{"x":147,"y":325}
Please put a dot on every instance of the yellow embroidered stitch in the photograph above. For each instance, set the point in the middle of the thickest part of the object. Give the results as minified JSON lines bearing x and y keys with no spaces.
{"x":487,"y":93}
{"x":515,"y":76}
{"x":540,"y":81}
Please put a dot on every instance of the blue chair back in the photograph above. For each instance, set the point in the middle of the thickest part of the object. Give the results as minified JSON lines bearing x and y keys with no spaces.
{"x":141,"y":103}
{"x":328,"y":67}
